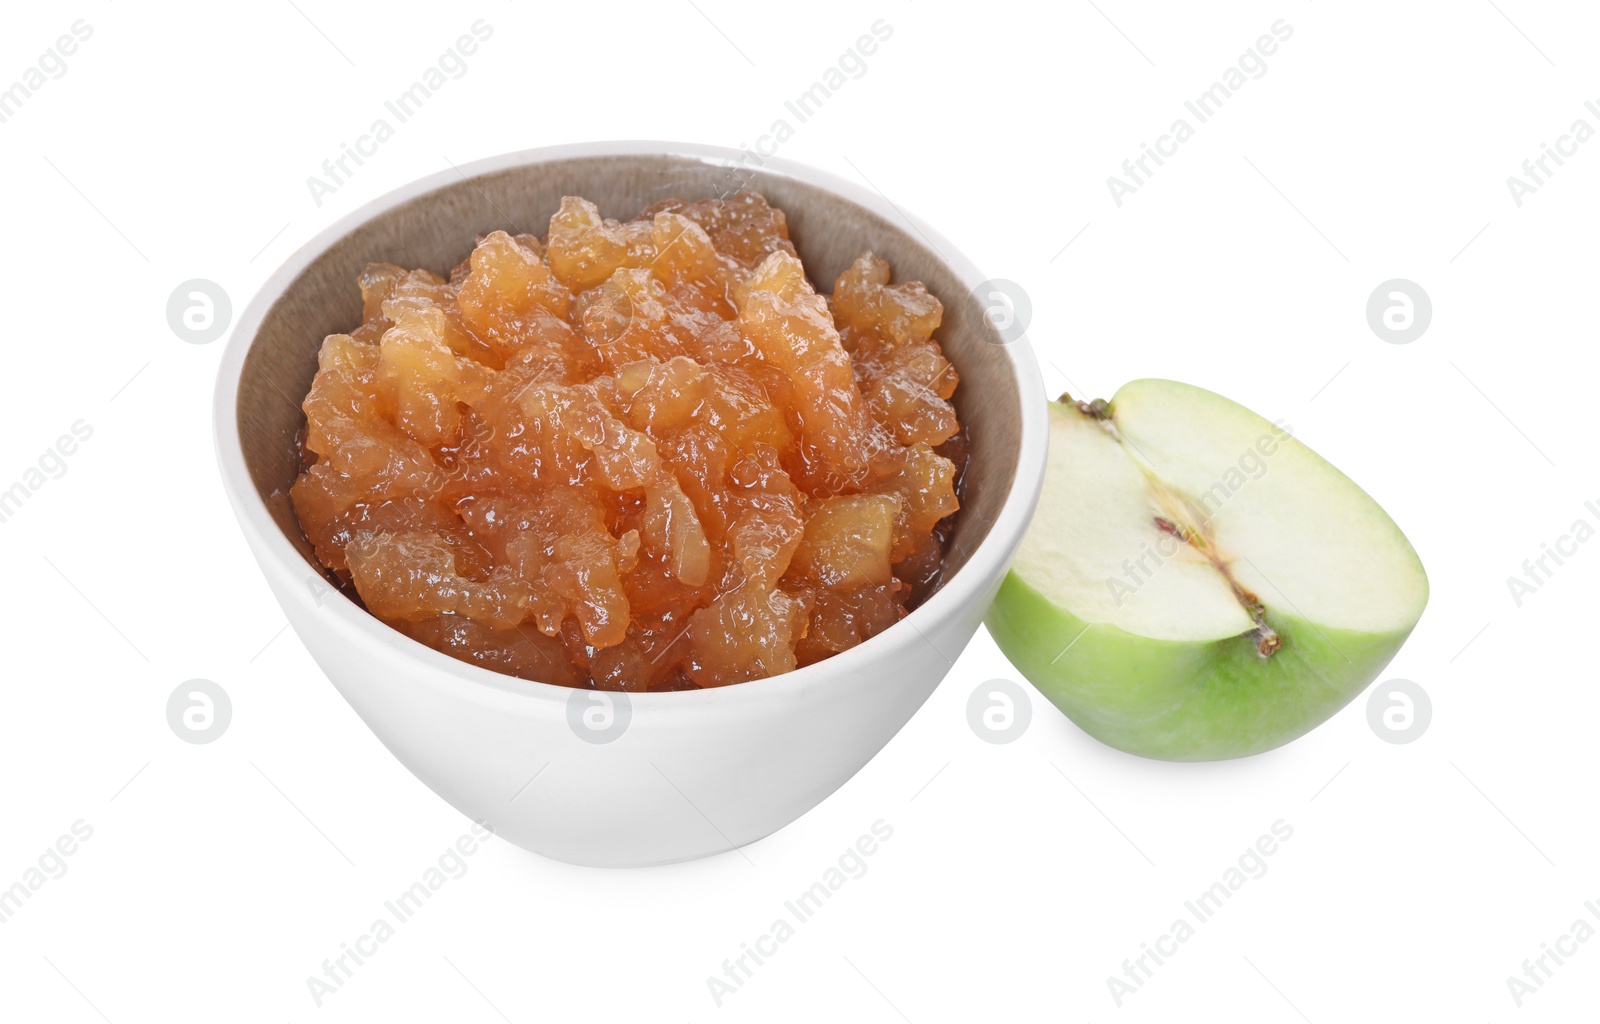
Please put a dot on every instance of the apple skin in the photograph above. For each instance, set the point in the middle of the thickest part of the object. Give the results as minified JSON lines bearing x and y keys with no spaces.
{"x":1186,"y":700}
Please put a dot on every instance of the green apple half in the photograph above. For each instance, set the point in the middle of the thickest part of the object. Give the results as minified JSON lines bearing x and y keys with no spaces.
{"x":1196,"y":583}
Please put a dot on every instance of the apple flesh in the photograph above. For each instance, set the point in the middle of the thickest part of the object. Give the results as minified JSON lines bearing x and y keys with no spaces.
{"x":1196,"y":583}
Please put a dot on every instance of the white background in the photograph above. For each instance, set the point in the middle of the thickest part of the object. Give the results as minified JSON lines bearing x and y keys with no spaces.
{"x":1419,"y":876}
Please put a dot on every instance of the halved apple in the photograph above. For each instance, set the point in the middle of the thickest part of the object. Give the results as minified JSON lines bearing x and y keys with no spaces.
{"x":1196,"y":583}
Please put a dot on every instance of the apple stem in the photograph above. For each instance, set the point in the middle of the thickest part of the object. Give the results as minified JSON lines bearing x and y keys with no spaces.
{"x":1268,"y":642}
{"x":1098,"y":410}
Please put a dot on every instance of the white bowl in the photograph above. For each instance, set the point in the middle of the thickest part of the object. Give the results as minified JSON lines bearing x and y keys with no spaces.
{"x":578,"y":775}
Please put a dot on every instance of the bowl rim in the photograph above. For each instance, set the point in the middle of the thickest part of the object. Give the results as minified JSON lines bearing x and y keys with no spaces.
{"x":278,"y":556}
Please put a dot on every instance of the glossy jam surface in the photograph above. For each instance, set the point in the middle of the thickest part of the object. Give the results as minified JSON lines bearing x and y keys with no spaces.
{"x":635,"y":455}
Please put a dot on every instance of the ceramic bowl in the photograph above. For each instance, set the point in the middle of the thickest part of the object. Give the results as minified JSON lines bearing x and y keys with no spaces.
{"x":579,"y":775}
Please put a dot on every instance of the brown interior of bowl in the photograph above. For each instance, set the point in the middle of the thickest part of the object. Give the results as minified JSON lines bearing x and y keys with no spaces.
{"x":438,"y":229}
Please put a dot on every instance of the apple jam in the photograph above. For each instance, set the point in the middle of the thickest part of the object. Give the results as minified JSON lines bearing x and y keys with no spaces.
{"x":635,"y":455}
